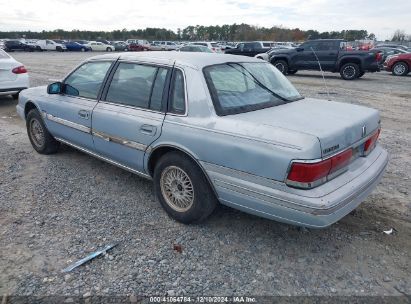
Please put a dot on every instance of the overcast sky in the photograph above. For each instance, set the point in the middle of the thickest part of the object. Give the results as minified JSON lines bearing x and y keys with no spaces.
{"x":381,"y":17}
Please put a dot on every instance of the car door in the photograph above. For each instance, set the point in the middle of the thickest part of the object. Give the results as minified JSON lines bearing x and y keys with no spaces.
{"x":327,"y":53}
{"x":304,"y":58}
{"x":68,"y":115}
{"x":130,"y":115}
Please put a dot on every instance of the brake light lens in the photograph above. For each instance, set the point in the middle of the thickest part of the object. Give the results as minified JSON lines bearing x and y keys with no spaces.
{"x":19,"y":70}
{"x":371,"y":142}
{"x":378,"y":56}
{"x":310,"y":175}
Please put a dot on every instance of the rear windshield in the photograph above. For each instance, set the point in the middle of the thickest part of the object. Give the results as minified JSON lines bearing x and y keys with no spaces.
{"x":243,"y":87}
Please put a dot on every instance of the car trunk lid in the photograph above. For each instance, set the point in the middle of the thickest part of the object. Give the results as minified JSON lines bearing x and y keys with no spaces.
{"x":336,"y":125}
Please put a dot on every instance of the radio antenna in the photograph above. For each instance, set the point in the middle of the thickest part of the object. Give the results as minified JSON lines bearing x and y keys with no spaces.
{"x":322,"y":74}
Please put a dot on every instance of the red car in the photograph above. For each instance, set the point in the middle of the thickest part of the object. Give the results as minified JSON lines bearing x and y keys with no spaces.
{"x":137,"y":47}
{"x":399,"y":65}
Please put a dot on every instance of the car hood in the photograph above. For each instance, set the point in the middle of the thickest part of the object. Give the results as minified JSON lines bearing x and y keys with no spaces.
{"x":335,"y":125}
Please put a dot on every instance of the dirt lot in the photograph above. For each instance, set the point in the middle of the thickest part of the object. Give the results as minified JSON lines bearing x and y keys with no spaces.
{"x":56,"y":209}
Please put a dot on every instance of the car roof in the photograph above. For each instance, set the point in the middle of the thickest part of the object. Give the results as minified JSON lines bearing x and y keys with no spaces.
{"x":195,"y":60}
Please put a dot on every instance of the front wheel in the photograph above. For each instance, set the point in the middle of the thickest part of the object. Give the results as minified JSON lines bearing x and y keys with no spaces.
{"x":182,"y":189}
{"x":361,"y":74}
{"x":41,"y":140}
{"x":281,"y":65}
{"x":108,"y":49}
{"x":400,"y":69}
{"x":83,"y":49}
{"x":350,"y":71}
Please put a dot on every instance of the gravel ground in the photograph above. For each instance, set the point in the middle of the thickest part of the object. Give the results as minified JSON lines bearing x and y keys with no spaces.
{"x":56,"y":209}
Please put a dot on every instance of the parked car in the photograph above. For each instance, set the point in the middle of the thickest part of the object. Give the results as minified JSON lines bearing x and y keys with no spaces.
{"x":144,"y":43}
{"x":17,"y":45}
{"x":121,"y":46}
{"x":50,"y":45}
{"x":166,"y":46}
{"x":77,"y":47}
{"x":399,"y":65}
{"x":104,"y":41}
{"x":211,"y":45}
{"x":393,"y":45}
{"x":99,"y":46}
{"x":211,"y":128}
{"x":60,"y":41}
{"x":266,"y":56}
{"x":331,"y":54}
{"x":156,"y":46}
{"x":135,"y":47}
{"x":83,"y":42}
{"x":13,"y":76}
{"x":195,"y":48}
{"x":386,"y":51}
{"x":248,"y":49}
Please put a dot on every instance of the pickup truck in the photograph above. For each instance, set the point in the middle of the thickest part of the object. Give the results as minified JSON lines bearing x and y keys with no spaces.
{"x":50,"y":45}
{"x":248,"y":49}
{"x":331,"y":54}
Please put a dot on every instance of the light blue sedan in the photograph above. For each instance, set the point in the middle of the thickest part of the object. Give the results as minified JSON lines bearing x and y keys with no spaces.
{"x":213,"y":128}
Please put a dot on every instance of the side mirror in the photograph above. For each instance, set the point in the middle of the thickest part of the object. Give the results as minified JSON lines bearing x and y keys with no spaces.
{"x":299,"y":49}
{"x":55,"y":88}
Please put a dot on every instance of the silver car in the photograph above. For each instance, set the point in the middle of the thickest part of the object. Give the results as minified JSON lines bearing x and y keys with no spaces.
{"x":210,"y":129}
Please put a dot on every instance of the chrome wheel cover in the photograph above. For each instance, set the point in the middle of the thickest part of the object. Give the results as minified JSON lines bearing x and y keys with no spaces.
{"x":399,"y":69}
{"x":177,"y":188}
{"x":37,"y":133}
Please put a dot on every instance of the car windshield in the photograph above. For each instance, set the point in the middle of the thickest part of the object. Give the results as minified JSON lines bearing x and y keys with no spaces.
{"x":243,"y":87}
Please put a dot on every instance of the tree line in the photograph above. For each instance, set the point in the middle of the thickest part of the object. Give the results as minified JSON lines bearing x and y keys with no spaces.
{"x":226,"y":32}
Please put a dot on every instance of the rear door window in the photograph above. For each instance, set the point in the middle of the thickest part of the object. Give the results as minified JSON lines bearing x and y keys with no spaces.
{"x":138,"y":85}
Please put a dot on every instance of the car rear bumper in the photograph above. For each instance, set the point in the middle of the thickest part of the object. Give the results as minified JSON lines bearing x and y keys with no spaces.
{"x":318,"y":208}
{"x":10,"y":91}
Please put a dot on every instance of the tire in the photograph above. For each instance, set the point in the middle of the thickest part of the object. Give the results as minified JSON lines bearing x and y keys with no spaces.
{"x":82,"y":49}
{"x":361,"y":74}
{"x":41,"y":140}
{"x":400,"y":69}
{"x":108,"y":49}
{"x":350,"y":71}
{"x":281,"y":65}
{"x":126,"y":50}
{"x":175,"y":172}
{"x":292,"y":72}
{"x":15,"y":96}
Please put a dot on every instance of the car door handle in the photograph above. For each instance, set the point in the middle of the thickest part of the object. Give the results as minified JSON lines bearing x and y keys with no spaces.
{"x":84,"y":114}
{"x":148,"y":129}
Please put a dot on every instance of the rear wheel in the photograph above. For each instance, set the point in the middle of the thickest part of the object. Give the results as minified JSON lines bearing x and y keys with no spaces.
{"x":41,"y":140}
{"x":83,"y":49}
{"x":292,"y":72}
{"x":361,"y":74}
{"x":400,"y":69}
{"x":281,"y":65}
{"x":182,"y":189}
{"x":350,"y":71}
{"x":108,"y":49}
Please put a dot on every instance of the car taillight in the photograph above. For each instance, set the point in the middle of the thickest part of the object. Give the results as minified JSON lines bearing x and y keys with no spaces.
{"x":19,"y":70}
{"x":378,"y":57}
{"x":371,"y":142}
{"x":308,"y":175}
